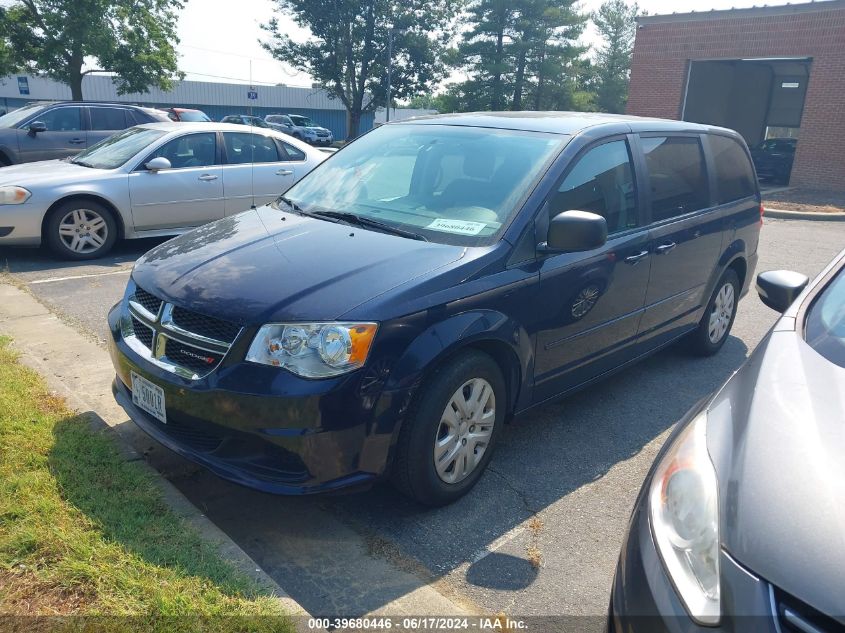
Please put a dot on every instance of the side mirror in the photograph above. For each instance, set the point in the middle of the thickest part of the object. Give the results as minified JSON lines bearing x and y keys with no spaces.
{"x":158,"y":163}
{"x":575,"y":231}
{"x":37,"y":126}
{"x":778,"y":289}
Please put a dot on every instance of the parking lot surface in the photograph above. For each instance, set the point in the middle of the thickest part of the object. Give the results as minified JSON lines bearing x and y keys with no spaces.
{"x":541,"y":532}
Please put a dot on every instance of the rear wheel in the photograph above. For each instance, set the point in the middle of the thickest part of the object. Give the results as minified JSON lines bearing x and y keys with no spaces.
{"x":81,"y":229}
{"x":715,"y":325}
{"x":448,"y":438}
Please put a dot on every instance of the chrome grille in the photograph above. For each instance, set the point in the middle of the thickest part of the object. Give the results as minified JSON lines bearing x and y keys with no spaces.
{"x":187,"y":343}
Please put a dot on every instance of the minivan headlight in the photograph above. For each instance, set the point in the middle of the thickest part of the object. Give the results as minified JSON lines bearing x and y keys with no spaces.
{"x":14,"y":195}
{"x":684,"y":510}
{"x":313,"y":350}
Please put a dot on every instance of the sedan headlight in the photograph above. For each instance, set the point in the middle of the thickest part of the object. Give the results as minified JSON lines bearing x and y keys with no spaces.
{"x":685,"y":521}
{"x":14,"y":195}
{"x":313,"y":350}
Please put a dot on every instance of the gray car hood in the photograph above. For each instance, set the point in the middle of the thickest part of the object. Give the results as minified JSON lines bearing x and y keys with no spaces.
{"x":47,"y":172}
{"x":776,"y":434}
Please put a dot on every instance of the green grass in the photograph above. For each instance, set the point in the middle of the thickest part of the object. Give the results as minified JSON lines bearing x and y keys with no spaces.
{"x":84,"y":532}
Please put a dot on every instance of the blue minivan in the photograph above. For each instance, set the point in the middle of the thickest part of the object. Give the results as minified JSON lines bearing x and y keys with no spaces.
{"x":393,"y":309}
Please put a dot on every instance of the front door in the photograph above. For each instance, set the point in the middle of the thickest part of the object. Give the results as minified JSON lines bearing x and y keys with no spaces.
{"x":593,"y":301}
{"x":65,"y":135}
{"x":686,"y":235}
{"x":188,"y":194}
{"x":255,"y":172}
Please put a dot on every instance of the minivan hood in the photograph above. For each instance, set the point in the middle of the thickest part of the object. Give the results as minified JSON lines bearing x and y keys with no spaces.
{"x":266,"y":265}
{"x":776,"y":435}
{"x":47,"y":171}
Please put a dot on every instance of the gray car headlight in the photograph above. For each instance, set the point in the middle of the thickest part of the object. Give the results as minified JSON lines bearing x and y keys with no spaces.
{"x":313,"y":350}
{"x":684,"y":510}
{"x":14,"y":195}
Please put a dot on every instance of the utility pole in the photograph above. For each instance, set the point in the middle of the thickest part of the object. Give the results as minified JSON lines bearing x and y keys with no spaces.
{"x":389,"y":69}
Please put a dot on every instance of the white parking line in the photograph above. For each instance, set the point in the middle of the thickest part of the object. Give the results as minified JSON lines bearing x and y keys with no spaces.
{"x":52,"y":279}
{"x":503,"y":540}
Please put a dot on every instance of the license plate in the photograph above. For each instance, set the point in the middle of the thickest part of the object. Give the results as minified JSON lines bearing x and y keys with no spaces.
{"x":148,"y":397}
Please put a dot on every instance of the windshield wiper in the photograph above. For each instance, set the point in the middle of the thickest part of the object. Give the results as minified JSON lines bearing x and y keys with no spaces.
{"x":295,"y":207}
{"x":82,"y":163}
{"x":365,"y":222}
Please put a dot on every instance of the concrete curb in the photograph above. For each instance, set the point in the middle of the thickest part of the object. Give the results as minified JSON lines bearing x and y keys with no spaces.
{"x":783,"y":214}
{"x":79,"y":366}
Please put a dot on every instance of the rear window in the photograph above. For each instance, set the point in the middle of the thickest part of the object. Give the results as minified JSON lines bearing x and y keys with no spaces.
{"x":825,"y":325}
{"x":734,"y":176}
{"x":676,"y":176}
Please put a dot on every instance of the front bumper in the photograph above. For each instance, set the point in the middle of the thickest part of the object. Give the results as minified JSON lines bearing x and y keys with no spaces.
{"x":644,"y":600}
{"x":263,"y":427}
{"x":20,"y":224}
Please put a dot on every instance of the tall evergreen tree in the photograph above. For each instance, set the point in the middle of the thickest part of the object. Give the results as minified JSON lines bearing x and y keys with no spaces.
{"x":617,"y":25}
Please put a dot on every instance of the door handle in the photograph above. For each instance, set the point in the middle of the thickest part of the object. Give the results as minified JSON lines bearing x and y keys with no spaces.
{"x":633,"y":259}
{"x":76,"y":141}
{"x":285,"y":172}
{"x":207,"y":177}
{"x":665,"y":248}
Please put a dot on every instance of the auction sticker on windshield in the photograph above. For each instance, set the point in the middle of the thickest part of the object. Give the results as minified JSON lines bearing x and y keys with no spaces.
{"x":457,"y":226}
{"x":148,"y":397}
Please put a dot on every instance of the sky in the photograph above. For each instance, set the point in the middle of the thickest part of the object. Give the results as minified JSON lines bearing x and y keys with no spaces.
{"x":219,"y":38}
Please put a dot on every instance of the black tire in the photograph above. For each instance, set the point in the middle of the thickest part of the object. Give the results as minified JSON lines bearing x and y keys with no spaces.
{"x":91,"y":210}
{"x":413,"y":472}
{"x":4,"y":160}
{"x":700,"y":341}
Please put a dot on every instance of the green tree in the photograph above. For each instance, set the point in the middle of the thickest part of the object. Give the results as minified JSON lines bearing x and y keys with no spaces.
{"x":617,"y":25}
{"x":133,"y":39}
{"x":347,"y":51}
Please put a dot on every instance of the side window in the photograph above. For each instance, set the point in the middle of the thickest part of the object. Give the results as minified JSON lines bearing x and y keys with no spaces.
{"x":676,"y":176}
{"x":291,"y":152}
{"x":601,"y":182}
{"x":62,"y":119}
{"x":191,"y":150}
{"x":107,"y":118}
{"x":243,"y":147}
{"x":734,"y":176}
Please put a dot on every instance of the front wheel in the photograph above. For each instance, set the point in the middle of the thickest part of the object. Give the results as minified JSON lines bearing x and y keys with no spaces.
{"x":448,"y":437}
{"x":713,"y":329}
{"x":81,"y":229}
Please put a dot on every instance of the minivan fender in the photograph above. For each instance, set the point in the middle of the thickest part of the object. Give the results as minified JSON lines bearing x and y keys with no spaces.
{"x":735,"y":253}
{"x":488,"y":330}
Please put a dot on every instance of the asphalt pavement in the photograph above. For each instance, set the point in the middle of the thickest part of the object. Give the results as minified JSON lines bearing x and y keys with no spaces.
{"x":541,"y":532}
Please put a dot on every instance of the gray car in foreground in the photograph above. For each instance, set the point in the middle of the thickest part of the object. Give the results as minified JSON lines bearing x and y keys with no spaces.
{"x":740,"y":525}
{"x":147,"y":181}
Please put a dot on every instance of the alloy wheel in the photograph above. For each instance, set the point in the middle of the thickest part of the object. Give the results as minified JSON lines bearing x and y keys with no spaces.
{"x":722,"y":313}
{"x":83,"y":231}
{"x":465,"y":430}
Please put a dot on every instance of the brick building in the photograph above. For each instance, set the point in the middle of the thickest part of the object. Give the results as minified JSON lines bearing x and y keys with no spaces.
{"x":765,"y":72}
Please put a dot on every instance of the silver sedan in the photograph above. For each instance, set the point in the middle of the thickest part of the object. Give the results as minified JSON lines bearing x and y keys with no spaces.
{"x":146,"y":181}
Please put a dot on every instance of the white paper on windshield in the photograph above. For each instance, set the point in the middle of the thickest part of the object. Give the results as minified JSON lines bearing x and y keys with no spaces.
{"x":457,"y":226}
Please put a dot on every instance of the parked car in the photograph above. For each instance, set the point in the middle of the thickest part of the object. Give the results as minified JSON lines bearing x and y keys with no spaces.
{"x":397,"y":305}
{"x":41,"y":131}
{"x":149,"y":180}
{"x":773,"y":158}
{"x":188,"y":115}
{"x":306,"y":130}
{"x":739,"y":525}
{"x":243,"y":119}
{"x":280,"y":122}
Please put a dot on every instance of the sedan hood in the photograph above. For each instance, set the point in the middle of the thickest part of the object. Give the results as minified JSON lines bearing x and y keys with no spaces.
{"x":776,"y":434}
{"x":46,"y":171}
{"x":266,"y":265}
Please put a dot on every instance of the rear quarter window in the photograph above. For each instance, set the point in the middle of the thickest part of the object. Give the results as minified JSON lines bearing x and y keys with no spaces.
{"x":734,"y":175}
{"x":676,"y":176}
{"x":825,"y":325}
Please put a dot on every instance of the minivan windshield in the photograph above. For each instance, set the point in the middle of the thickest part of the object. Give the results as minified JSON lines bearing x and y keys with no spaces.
{"x":450,"y":184}
{"x":825,"y":329}
{"x":114,"y":151}
{"x":11,"y":119}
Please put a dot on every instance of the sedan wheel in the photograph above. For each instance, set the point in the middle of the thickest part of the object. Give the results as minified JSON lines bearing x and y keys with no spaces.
{"x":81,"y":229}
{"x":466,"y":427}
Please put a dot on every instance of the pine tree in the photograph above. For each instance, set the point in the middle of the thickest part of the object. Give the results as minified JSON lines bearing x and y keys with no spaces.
{"x":616,"y":23}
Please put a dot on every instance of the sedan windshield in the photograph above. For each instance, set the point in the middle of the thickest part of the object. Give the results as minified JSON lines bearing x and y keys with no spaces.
{"x":449,"y":184}
{"x":825,"y":330}
{"x":14,"y":117}
{"x":114,"y":151}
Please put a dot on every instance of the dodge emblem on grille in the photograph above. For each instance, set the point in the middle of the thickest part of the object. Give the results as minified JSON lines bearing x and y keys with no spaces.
{"x":206,"y":359}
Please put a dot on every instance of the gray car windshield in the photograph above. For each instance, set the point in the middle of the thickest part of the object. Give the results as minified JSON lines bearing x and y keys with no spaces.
{"x":14,"y":117}
{"x":825,"y":329}
{"x":114,"y":151}
{"x":301,"y":121}
{"x":449,"y":184}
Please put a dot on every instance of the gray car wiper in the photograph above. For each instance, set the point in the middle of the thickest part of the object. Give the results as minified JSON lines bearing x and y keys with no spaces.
{"x":82,"y":163}
{"x":365,"y":222}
